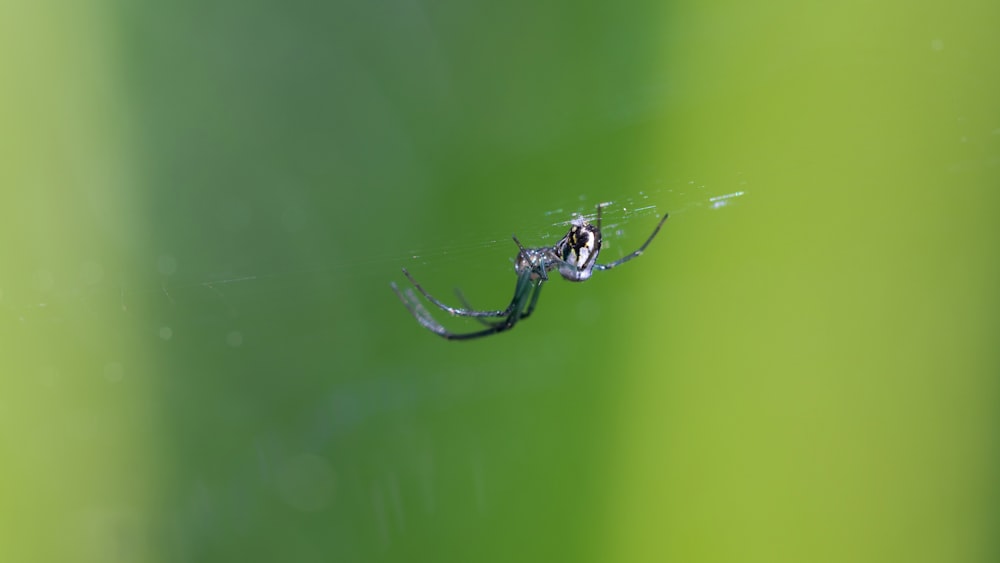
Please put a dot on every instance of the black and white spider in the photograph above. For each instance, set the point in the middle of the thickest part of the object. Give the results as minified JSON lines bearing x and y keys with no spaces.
{"x":575,"y":257}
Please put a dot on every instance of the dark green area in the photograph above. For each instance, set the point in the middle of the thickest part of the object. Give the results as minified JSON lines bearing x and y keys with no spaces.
{"x":313,"y":145}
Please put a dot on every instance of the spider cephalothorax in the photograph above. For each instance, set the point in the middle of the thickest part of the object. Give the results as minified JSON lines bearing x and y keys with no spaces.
{"x":536,"y":262}
{"x":575,"y":256}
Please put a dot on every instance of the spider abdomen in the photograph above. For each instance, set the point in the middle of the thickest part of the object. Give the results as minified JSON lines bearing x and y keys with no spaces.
{"x":578,"y":251}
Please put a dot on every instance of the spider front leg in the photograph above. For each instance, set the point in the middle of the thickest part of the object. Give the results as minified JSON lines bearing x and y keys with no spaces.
{"x":465,"y":303}
{"x":638,"y":252}
{"x":524,"y":314}
{"x":525,"y":287}
{"x":454,"y":310}
{"x":521,"y":295}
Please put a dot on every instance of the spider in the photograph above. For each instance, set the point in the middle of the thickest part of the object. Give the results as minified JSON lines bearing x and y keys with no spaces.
{"x":575,"y":257}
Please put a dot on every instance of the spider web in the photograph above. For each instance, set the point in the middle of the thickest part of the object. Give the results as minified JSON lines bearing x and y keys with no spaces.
{"x":484,"y":269}
{"x":619,"y":214}
{"x":486,"y":251}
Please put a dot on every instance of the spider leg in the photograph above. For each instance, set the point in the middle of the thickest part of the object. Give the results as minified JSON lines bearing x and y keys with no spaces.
{"x":454,"y":310}
{"x":638,"y":252}
{"x":418,"y":311}
{"x":523,"y":253}
{"x":524,"y":314}
{"x":462,"y":299}
{"x":467,"y":305}
{"x":534,"y":300}
{"x":524,"y":287}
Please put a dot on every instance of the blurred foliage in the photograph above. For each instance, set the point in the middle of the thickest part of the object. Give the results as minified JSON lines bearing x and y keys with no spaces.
{"x":204,"y":203}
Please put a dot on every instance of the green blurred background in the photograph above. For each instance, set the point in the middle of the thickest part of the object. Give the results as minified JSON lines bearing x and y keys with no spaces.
{"x":203,"y":204}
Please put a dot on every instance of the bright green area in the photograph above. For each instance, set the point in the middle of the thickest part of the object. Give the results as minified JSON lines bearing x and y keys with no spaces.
{"x":203,"y":204}
{"x":828,"y":382}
